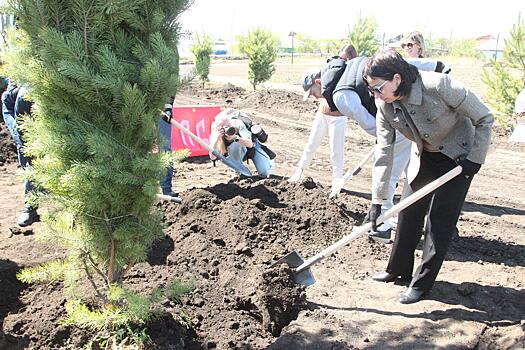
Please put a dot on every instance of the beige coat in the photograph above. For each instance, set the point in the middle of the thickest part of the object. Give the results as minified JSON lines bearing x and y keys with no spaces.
{"x":441,"y":115}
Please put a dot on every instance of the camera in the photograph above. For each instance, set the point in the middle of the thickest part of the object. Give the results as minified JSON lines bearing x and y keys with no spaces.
{"x":259,"y":133}
{"x":230,"y":131}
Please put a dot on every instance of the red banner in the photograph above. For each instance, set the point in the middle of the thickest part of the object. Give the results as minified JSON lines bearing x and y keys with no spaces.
{"x":198,"y":120}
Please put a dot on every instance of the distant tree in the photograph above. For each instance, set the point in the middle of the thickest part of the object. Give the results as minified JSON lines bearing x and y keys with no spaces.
{"x":462,"y":47}
{"x":305,"y":44}
{"x":332,"y":47}
{"x":260,"y":46}
{"x":507,"y":77}
{"x":202,"y":49}
{"x":363,"y":36}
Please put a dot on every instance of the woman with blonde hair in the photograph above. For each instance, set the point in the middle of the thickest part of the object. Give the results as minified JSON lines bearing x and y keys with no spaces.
{"x":231,"y":137}
{"x":414,"y":47}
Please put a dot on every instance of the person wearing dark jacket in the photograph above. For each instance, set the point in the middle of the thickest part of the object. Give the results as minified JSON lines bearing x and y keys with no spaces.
{"x":165,"y":145}
{"x":15,"y":104}
{"x":350,"y":97}
{"x":450,"y":126}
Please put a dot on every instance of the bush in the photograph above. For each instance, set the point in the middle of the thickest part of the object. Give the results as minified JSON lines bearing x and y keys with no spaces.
{"x":363,"y":36}
{"x":202,"y":49}
{"x":260,"y":46}
{"x":507,"y":77}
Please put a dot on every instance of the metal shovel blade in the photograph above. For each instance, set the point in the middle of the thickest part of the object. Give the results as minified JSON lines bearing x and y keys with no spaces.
{"x":177,"y":200}
{"x":232,"y":164}
{"x":294,"y":260}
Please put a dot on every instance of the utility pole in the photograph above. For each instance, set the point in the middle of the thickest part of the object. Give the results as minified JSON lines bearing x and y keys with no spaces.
{"x":292,"y":34}
{"x":496,"y":51}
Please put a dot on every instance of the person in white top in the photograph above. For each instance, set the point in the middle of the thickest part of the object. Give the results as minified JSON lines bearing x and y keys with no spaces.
{"x":350,"y":104}
{"x":333,"y":123}
{"x":414,"y":47}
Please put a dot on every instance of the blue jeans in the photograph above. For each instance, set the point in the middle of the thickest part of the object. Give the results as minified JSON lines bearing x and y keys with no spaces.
{"x":21,"y":106}
{"x":165,"y":145}
{"x":262,"y":162}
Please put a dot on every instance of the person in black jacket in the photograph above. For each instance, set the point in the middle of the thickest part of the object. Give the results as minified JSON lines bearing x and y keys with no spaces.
{"x":15,"y":104}
{"x":165,"y":145}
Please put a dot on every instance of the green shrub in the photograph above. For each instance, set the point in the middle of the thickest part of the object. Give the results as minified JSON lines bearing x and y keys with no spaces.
{"x":99,"y":72}
{"x":507,"y":77}
{"x":202,"y":49}
{"x":363,"y":36}
{"x":260,"y":46}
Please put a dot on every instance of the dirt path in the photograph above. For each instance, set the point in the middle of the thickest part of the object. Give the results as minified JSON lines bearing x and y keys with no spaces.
{"x":226,"y":233}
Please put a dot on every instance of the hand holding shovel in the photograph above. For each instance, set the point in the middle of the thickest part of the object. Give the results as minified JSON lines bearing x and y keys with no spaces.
{"x":301,"y":268}
{"x":232,"y":164}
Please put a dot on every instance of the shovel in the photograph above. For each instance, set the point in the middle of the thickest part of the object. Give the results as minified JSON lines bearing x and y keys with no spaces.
{"x":164,"y":197}
{"x":301,"y":268}
{"x":350,"y":174}
{"x":230,"y":163}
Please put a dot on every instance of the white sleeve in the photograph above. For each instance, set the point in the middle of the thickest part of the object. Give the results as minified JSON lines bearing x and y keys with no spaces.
{"x":426,"y":64}
{"x":349,"y":104}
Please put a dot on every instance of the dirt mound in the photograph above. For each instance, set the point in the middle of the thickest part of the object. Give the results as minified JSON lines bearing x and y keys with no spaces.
{"x":7,"y":146}
{"x":37,"y":326}
{"x":271,"y":100}
{"x":226,"y":236}
{"x":226,"y":94}
{"x":512,"y":337}
{"x":222,"y":239}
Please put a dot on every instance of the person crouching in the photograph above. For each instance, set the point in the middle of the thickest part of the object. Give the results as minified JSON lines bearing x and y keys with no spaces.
{"x":233,"y":139}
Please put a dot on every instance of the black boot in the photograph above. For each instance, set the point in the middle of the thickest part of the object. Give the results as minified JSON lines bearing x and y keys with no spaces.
{"x":388,"y":277}
{"x":27,"y":217}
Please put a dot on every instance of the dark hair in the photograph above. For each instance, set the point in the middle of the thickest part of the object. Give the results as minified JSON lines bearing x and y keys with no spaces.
{"x":386,"y":64}
{"x":349,"y":50}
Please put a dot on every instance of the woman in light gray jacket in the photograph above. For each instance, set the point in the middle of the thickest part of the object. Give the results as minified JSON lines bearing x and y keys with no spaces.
{"x":450,"y":126}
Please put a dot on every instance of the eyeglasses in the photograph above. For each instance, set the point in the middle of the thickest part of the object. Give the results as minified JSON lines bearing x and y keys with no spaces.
{"x":407,"y":45}
{"x":378,"y":89}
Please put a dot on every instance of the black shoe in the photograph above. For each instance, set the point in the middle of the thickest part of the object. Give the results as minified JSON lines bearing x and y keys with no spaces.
{"x":381,"y":236}
{"x":410,"y":296}
{"x":388,"y":277}
{"x":170,"y":193}
{"x":27,"y":217}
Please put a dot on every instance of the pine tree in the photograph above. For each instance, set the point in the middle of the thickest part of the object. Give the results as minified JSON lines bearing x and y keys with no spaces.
{"x":507,"y":77}
{"x":202,"y":50}
{"x":260,"y":46}
{"x":363,"y":36}
{"x":99,"y":72}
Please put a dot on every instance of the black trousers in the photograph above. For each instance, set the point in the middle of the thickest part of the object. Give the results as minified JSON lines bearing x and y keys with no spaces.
{"x":445,"y":207}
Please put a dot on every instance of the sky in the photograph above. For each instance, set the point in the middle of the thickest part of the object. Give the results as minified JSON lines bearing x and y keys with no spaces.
{"x":225,"y":19}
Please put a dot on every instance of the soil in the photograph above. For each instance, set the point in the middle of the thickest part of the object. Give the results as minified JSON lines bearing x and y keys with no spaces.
{"x":227,"y":232}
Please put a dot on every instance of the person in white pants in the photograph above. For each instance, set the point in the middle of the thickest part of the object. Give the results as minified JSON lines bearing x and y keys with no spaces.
{"x":325,"y":122}
{"x":348,"y":104}
{"x":335,"y":126}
